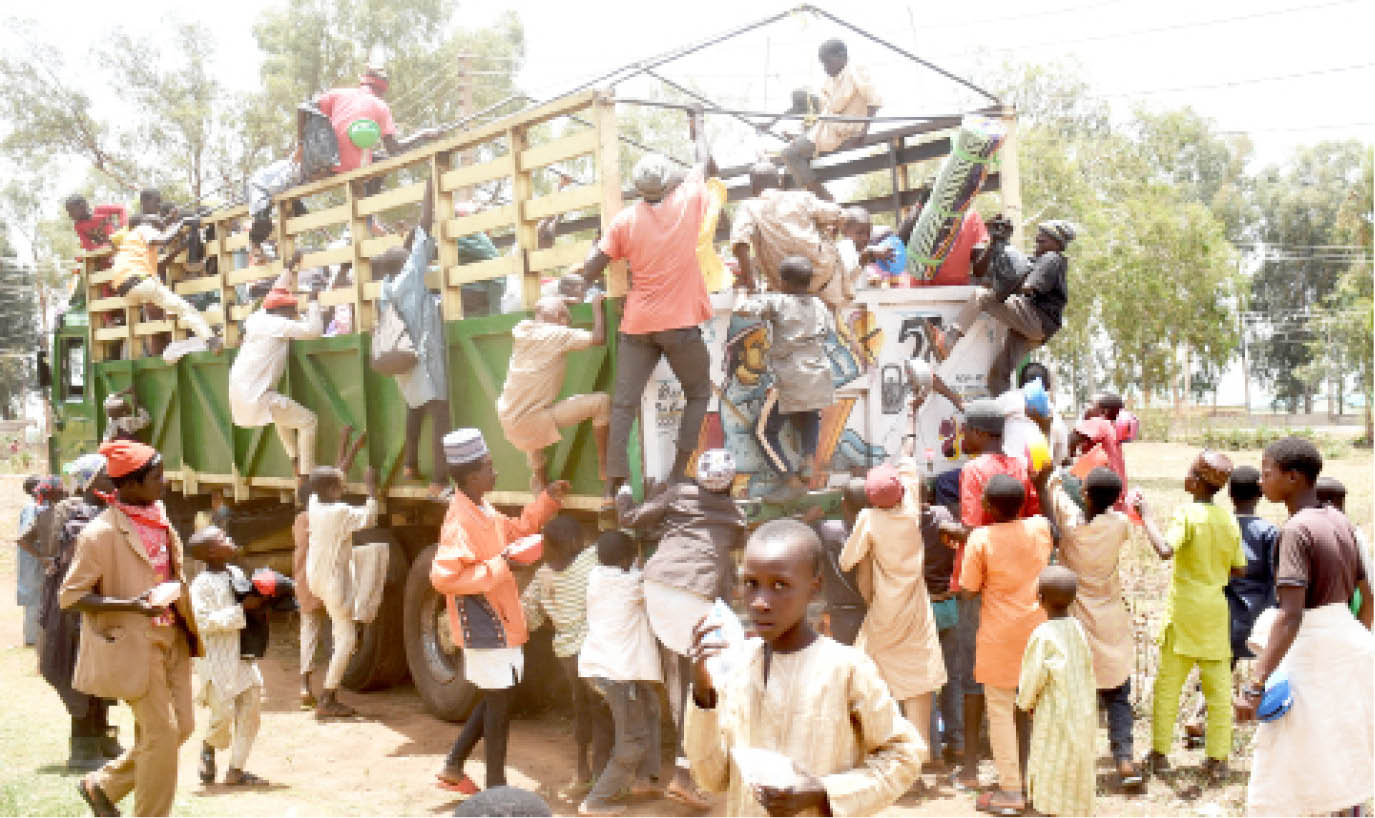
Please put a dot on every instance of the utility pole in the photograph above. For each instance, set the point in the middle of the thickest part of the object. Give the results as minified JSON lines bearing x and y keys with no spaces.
{"x":465,"y":85}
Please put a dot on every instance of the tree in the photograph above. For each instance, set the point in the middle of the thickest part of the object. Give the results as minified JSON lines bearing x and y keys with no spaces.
{"x":1300,"y":206}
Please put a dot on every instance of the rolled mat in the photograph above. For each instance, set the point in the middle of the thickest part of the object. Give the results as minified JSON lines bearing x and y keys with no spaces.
{"x":961,"y":176}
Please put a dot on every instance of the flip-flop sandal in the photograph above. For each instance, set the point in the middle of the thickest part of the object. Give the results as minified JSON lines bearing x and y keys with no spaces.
{"x":207,"y":769}
{"x":685,"y":796}
{"x":246,"y":779}
{"x":464,"y":786}
{"x":96,"y":799}
{"x":984,"y":803}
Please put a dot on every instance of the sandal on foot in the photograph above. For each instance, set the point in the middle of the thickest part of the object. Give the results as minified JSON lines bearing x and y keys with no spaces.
{"x":985,"y":803}
{"x":963,"y":783}
{"x":686,"y":795}
{"x":1154,"y":763}
{"x":96,"y":799}
{"x":207,"y":769}
{"x":334,"y":710}
{"x":243,"y":778}
{"x":463,"y":785}
{"x":1215,"y":770}
{"x":1129,"y":776}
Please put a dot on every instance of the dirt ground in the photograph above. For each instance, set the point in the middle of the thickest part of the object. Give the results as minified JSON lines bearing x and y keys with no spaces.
{"x":384,"y":761}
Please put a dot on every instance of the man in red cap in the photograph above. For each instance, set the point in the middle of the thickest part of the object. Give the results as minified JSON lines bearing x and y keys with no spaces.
{"x":126,"y":579}
{"x":253,"y":399}
{"x":361,"y":118}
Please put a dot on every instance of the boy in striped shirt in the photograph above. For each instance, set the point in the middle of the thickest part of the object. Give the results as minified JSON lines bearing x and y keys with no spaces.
{"x":557,"y":594}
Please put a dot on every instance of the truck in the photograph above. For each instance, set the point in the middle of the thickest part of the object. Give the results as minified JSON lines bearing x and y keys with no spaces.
{"x":213,"y":466}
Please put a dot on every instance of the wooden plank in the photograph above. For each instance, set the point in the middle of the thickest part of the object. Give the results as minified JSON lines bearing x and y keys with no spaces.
{"x":580,"y":143}
{"x":404,"y":195}
{"x":238,"y":241}
{"x":574,"y":198}
{"x":324,"y":258}
{"x":101,"y":277}
{"x":240,"y":311}
{"x":481,"y":270}
{"x":470,"y":175}
{"x":108,"y":304}
{"x":450,"y":300}
{"x":434,"y":280}
{"x":204,"y":284}
{"x":522,"y":190}
{"x":112,"y":333}
{"x":258,"y":272}
{"x":504,"y":216}
{"x":153,"y":327}
{"x":330,"y":298}
{"x":609,"y":177}
{"x":320,"y":218}
{"x":561,"y":255}
{"x":372,"y":248}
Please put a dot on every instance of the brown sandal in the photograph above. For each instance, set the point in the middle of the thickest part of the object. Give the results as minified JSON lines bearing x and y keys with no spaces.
{"x":243,"y":778}
{"x":96,"y":798}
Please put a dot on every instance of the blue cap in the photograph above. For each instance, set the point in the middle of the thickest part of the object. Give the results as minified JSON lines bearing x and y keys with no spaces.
{"x":1278,"y":698}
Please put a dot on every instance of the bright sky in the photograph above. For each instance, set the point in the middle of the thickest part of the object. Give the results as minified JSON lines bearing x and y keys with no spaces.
{"x":1288,"y":72}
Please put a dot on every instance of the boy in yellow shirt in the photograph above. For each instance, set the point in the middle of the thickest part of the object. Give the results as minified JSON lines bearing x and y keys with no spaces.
{"x":1205,"y":543}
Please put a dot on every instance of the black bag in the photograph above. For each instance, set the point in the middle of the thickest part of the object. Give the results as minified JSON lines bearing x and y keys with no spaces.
{"x":319,"y":144}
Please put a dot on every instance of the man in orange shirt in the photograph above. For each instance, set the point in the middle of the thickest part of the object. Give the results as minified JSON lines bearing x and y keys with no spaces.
{"x":361,"y":118}
{"x":667,"y":300}
{"x":472,"y":568}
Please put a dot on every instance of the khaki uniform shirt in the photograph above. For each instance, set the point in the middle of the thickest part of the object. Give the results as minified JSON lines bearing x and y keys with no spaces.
{"x":849,"y":93}
{"x":781,"y":223}
{"x":539,"y":356}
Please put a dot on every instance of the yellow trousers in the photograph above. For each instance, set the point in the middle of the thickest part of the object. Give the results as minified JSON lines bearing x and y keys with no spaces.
{"x":163,"y":719}
{"x":1216,"y":676}
{"x":1002,"y":735}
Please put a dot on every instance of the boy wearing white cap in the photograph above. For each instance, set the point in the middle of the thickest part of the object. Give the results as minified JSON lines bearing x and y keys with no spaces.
{"x":472,"y":568}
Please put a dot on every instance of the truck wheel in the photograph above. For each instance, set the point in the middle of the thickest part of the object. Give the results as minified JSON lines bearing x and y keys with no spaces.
{"x":380,"y":658}
{"x":436,"y":664}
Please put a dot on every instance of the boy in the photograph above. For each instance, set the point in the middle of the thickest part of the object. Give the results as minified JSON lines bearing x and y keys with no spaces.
{"x":1318,"y":758}
{"x":30,"y":577}
{"x":124,"y":418}
{"x":1031,"y":317}
{"x":846,"y":92}
{"x":261,"y":360}
{"x":621,"y":661}
{"x":1002,"y":560}
{"x":231,"y":686}
{"x":802,"y":384}
{"x":1056,"y":683}
{"x":529,"y":415}
{"x":472,"y":569}
{"x":899,"y":632}
{"x":983,"y":442}
{"x":1205,"y":543}
{"x":1253,"y":591}
{"x":1096,"y":430}
{"x":329,"y":574}
{"x":135,"y":275}
{"x":699,"y":527}
{"x":1091,"y":542}
{"x":1332,"y":492}
{"x":94,"y":227}
{"x":819,"y":703}
{"x":558,"y":594}
{"x":310,"y":609}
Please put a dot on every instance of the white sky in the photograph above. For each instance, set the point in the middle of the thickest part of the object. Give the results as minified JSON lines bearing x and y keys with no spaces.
{"x":1288,"y":72}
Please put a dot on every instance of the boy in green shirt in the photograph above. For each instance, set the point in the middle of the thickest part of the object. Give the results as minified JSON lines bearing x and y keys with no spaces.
{"x":1205,"y":543}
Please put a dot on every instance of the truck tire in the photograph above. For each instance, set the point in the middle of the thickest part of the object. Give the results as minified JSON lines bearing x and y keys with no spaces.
{"x":436,"y":665}
{"x":379,"y":661}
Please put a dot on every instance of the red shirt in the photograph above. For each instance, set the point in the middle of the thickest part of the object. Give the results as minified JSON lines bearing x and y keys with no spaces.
{"x":1104,"y":433}
{"x":94,"y":233}
{"x":973,"y":478}
{"x":345,"y":106}
{"x":151,"y":524}
{"x":660,"y":242}
{"x":956,"y":267}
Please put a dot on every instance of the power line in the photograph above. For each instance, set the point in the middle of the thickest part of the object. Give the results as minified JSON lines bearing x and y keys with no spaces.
{"x":1237,"y":83}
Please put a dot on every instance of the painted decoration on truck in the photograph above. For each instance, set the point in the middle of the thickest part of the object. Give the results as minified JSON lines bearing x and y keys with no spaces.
{"x":871,"y":417}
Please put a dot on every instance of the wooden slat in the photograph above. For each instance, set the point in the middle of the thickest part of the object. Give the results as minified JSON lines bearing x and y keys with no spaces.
{"x":578,"y":144}
{"x":372,"y":248}
{"x":238,"y":241}
{"x":404,"y":195}
{"x":107,"y":304}
{"x":101,"y":277}
{"x":153,"y":327}
{"x":609,"y":177}
{"x":112,"y":333}
{"x":240,"y":311}
{"x":251,"y":274}
{"x":482,"y":270}
{"x":504,"y":216}
{"x":322,"y":258}
{"x":320,"y":218}
{"x":575,"y":198}
{"x":474,"y":174}
{"x":372,"y":290}
{"x":330,"y":298}
{"x":560,"y":255}
{"x":204,"y":284}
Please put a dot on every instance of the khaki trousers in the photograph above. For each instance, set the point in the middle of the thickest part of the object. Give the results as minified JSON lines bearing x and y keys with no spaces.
{"x":918,"y":711}
{"x":573,"y":410}
{"x":163,"y":719}
{"x":1025,"y":332}
{"x":234,"y":722}
{"x":1002,"y":734}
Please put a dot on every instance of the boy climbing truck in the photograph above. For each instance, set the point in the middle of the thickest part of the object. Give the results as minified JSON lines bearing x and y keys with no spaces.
{"x":243,"y":478}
